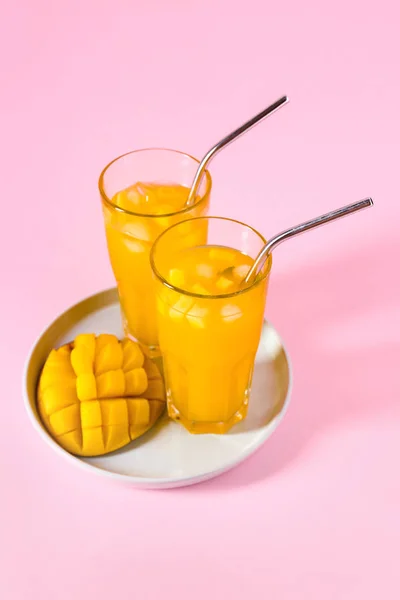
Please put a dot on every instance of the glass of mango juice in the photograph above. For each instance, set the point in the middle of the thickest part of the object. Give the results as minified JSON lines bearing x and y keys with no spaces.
{"x":209,"y":323}
{"x":143,"y":193}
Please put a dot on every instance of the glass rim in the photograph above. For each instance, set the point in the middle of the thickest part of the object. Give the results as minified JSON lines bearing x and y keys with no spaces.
{"x":175,"y":288}
{"x":108,"y":200}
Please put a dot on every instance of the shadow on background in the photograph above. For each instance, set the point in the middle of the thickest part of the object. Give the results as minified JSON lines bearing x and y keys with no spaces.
{"x":339,"y":322}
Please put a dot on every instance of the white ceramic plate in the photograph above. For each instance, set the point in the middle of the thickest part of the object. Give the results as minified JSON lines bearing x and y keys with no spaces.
{"x":167,"y":456}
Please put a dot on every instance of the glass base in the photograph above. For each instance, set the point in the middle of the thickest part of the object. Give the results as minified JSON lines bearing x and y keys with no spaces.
{"x":219,"y":427}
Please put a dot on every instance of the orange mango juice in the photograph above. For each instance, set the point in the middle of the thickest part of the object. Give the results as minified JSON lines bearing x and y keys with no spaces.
{"x":134,"y":218}
{"x":209,"y":331}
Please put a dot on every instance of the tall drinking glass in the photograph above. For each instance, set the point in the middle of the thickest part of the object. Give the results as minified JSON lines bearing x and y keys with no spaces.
{"x":209,"y":325}
{"x":143,"y":193}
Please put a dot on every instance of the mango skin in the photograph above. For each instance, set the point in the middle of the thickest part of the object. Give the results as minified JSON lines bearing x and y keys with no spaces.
{"x":92,"y":394}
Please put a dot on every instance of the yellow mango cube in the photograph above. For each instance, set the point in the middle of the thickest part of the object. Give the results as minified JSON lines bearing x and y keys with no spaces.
{"x":81,"y":360}
{"x":108,"y":358}
{"x":54,"y":399}
{"x":65,"y":420}
{"x":111,"y":384}
{"x":91,"y":414}
{"x":136,"y":382}
{"x":223,"y":284}
{"x":116,"y":436}
{"x":71,"y":441}
{"x":93,"y":441}
{"x":106,"y":339}
{"x":52,"y":376}
{"x":114,"y":412}
{"x":177,"y":278}
{"x":133,"y":357}
{"x":86,"y":387}
{"x":88,"y":341}
{"x":139,"y":412}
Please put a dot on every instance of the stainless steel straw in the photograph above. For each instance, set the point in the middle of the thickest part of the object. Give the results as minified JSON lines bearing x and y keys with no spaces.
{"x":293,"y":231}
{"x":227,"y":140}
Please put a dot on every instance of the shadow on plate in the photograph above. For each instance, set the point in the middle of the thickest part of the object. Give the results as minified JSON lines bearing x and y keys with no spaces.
{"x":340,"y":322}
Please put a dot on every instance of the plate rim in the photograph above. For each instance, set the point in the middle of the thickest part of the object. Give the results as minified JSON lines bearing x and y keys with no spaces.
{"x":110,"y":296}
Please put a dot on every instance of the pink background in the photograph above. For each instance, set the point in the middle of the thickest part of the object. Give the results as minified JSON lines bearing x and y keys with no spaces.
{"x":315,"y":514}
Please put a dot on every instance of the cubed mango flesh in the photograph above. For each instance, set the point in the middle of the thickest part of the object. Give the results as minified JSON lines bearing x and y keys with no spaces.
{"x":97,"y":394}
